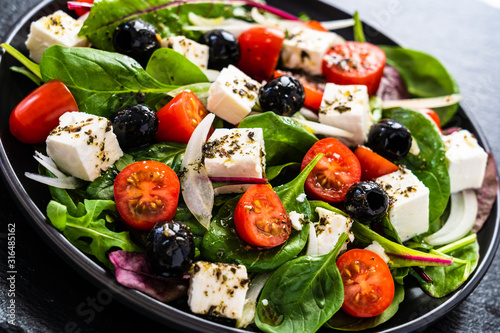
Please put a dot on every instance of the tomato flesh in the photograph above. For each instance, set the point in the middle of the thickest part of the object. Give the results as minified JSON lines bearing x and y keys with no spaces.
{"x":335,"y":172}
{"x":82,"y":11}
{"x":355,"y":63}
{"x":368,"y":283}
{"x":146,"y":192}
{"x":315,"y":25}
{"x":260,"y":49}
{"x":179,"y":118}
{"x":433,"y":115}
{"x":372,"y":164}
{"x":313,"y":94}
{"x":38,"y":113}
{"x":260,"y":217}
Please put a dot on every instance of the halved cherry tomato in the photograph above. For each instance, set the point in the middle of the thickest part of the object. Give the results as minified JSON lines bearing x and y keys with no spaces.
{"x":82,"y":11}
{"x":38,"y":113}
{"x":355,"y":63}
{"x":334,"y":173}
{"x":260,"y":218}
{"x":372,"y":164}
{"x":368,"y":283}
{"x":434,"y":116}
{"x":260,"y":49}
{"x":315,"y":25}
{"x":314,"y":95}
{"x":179,"y":118}
{"x":145,"y":193}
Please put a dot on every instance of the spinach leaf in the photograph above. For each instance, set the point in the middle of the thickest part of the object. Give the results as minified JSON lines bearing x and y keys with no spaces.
{"x":221,"y":244}
{"x":170,"y":67}
{"x":89,"y":232}
{"x":285,"y":140}
{"x":430,"y":164}
{"x":274,"y":171}
{"x":302,"y":294}
{"x":102,"y":187}
{"x":345,"y":322}
{"x":170,"y":153}
{"x":102,"y":82}
{"x":168,"y":17}
{"x":424,"y":76}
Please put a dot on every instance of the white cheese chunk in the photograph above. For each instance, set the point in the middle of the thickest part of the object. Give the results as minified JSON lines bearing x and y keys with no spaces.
{"x":376,"y":248}
{"x":466,"y":161}
{"x":236,"y":152}
{"x":218,"y":289}
{"x":297,"y":220}
{"x":83,"y":145}
{"x":56,"y":29}
{"x":347,"y":107}
{"x":329,"y":229}
{"x":305,"y":48}
{"x":193,"y":51}
{"x":233,"y":95}
{"x":408,"y":203}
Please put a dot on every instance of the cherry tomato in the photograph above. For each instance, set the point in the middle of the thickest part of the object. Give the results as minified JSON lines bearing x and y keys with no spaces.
{"x":179,"y":118}
{"x":355,"y":63}
{"x":260,"y":49}
{"x":368,"y":283}
{"x":314,"y":95}
{"x":38,"y":113}
{"x":315,"y":25}
{"x":434,"y":116}
{"x":145,"y":193}
{"x":372,"y":164}
{"x":260,"y":218}
{"x":83,"y":11}
{"x":334,"y":173}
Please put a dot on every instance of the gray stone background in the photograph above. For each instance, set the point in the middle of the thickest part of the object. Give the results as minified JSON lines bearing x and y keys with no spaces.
{"x":463,"y":34}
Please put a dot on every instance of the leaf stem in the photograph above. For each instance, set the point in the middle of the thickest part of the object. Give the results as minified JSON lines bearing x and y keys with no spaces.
{"x":458,"y":244}
{"x":32,"y":66}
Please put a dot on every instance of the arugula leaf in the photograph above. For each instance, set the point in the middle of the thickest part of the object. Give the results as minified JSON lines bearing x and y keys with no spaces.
{"x":430,"y":164}
{"x":285,"y":140}
{"x":89,"y":232}
{"x":424,"y":76}
{"x":102,"y":82}
{"x":302,"y":294}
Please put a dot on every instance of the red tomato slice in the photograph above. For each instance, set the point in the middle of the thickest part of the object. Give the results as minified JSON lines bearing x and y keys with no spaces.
{"x":179,"y":118}
{"x":314,"y":95}
{"x":38,"y":113}
{"x":82,"y":11}
{"x":368,"y":283}
{"x":315,"y":25}
{"x":146,"y":192}
{"x":334,"y":173}
{"x":434,"y":116}
{"x":260,"y":218}
{"x":260,"y":49}
{"x":355,"y":63}
{"x":372,"y":164}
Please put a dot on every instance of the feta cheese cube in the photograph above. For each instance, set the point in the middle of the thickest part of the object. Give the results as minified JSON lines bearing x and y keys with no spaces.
{"x":218,"y":289}
{"x":466,"y":161}
{"x":305,"y":48}
{"x":83,"y":145}
{"x":347,"y":107}
{"x":376,"y":248}
{"x":329,"y":229}
{"x":233,"y":95}
{"x":193,"y":51}
{"x":236,"y":152}
{"x":56,"y":29}
{"x":408,"y":203}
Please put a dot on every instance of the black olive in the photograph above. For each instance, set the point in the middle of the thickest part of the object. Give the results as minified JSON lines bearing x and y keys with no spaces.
{"x":390,"y":139}
{"x":284,"y":95}
{"x":224,"y":49}
{"x":366,"y":201}
{"x":137,"y":39}
{"x":135,"y":126}
{"x":170,"y":249}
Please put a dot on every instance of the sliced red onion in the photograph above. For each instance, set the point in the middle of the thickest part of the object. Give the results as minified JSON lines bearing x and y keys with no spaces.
{"x":239,"y":180}
{"x":79,"y":5}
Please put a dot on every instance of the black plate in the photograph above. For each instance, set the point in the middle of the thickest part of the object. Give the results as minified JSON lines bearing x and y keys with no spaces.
{"x":417,"y":311}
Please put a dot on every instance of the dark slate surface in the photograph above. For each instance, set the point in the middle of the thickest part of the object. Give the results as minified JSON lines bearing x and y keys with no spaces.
{"x":51,"y":297}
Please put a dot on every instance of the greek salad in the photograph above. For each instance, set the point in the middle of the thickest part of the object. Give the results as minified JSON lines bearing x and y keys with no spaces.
{"x":250,"y":164}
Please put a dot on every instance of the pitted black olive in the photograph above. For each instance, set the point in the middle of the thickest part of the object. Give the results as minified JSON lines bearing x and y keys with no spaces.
{"x":224,"y":49}
{"x":366,"y":201}
{"x":284,"y":95}
{"x":390,"y":139}
{"x":135,"y":126}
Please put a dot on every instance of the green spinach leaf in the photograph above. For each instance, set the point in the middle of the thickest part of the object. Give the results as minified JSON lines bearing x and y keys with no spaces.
{"x":170,"y":67}
{"x":170,"y":153}
{"x":302,"y":294}
{"x":424,"y":76}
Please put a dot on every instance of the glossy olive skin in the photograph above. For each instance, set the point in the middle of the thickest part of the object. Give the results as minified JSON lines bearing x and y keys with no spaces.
{"x":389,"y":139}
{"x":170,"y":249}
{"x":366,"y":201}
{"x":135,"y":127}
{"x":137,"y":39}
{"x":224,"y":49}
{"x":283,"y":95}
